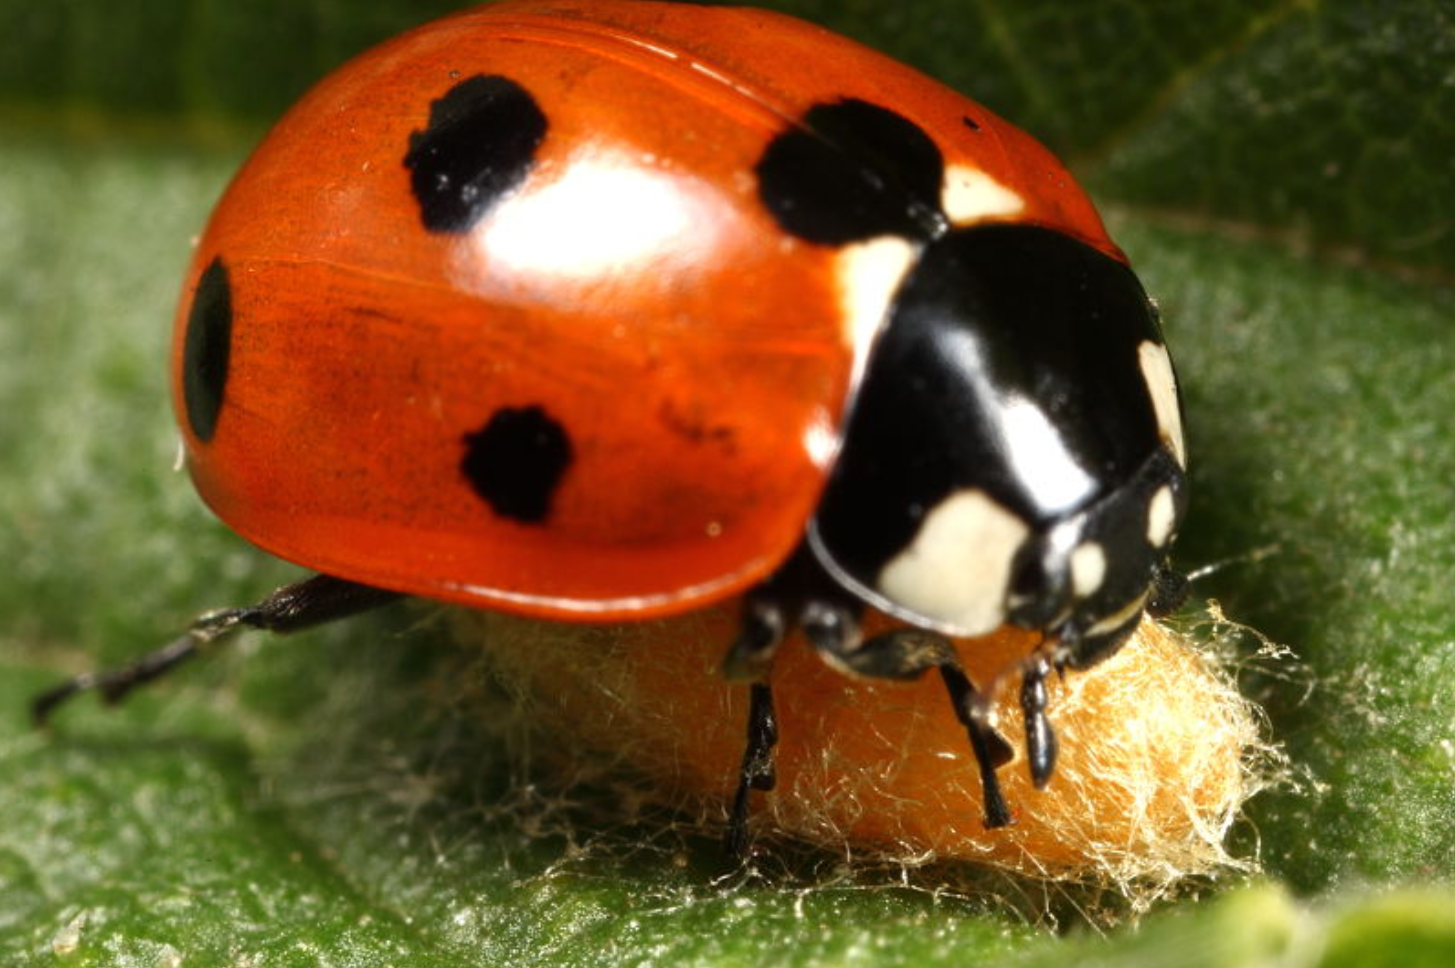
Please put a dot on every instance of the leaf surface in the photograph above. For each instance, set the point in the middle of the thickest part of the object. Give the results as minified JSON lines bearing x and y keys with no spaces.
{"x":321,"y":801}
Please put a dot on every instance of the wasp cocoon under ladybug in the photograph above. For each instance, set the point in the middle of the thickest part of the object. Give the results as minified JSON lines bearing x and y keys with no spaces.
{"x":1159,"y":750}
{"x":610,"y":311}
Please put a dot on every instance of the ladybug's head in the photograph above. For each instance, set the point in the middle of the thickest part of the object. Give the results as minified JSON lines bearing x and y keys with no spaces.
{"x":1088,"y":577}
{"x":1014,"y":451}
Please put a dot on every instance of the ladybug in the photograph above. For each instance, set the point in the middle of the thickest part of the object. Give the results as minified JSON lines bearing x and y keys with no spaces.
{"x":608,"y":311}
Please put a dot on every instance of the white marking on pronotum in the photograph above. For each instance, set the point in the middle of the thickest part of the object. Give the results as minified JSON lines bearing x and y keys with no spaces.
{"x":1088,"y":568}
{"x":868,"y":274}
{"x":957,"y":569}
{"x":1162,"y":385}
{"x":1022,"y":431}
{"x":1161,"y":516}
{"x":1038,"y":454}
{"x":970,"y":195}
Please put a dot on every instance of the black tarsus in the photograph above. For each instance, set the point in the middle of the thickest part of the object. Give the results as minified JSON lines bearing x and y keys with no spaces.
{"x":991,"y":748}
{"x":1040,"y":736}
{"x":757,"y":772}
{"x":312,"y":601}
{"x":797,"y":595}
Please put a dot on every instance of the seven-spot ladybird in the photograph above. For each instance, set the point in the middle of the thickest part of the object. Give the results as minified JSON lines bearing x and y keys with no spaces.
{"x":612,"y":310}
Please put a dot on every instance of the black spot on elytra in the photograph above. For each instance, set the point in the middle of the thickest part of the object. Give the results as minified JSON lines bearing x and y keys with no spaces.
{"x":207,"y":349}
{"x":480,"y":142}
{"x":851,"y":171}
{"x":516,"y":460}
{"x":971,"y":123}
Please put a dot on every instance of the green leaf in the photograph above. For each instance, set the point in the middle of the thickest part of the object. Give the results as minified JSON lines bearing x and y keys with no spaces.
{"x":183,"y":61}
{"x":1319,"y":405}
{"x":1331,"y":123}
{"x":1411,"y":929}
{"x":323,"y":800}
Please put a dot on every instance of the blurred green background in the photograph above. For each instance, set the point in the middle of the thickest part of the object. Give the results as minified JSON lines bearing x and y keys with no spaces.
{"x":1283,"y":176}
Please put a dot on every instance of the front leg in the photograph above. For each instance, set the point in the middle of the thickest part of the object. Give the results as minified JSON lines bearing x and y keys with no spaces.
{"x":798,"y":595}
{"x":1040,"y":737}
{"x":757,"y":771}
{"x":802,"y":595}
{"x":908,"y":653}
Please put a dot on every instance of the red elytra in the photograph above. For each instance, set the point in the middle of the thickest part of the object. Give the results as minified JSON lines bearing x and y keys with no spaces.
{"x":695,"y":355}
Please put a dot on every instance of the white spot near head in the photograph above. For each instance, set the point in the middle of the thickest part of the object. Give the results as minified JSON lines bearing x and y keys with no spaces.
{"x":970,"y":195}
{"x":869,"y":274}
{"x":1162,"y":385}
{"x":956,"y":571}
{"x":1161,"y":516}
{"x":1088,"y":568}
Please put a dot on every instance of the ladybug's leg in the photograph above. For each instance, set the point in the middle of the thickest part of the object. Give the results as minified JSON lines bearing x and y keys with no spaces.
{"x":757,"y":771}
{"x":313,"y":601}
{"x":767,"y":614}
{"x":799,"y":595}
{"x":750,"y":658}
{"x":766,"y":618}
{"x":992,"y":750}
{"x":907,"y":653}
{"x":1040,"y":737}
